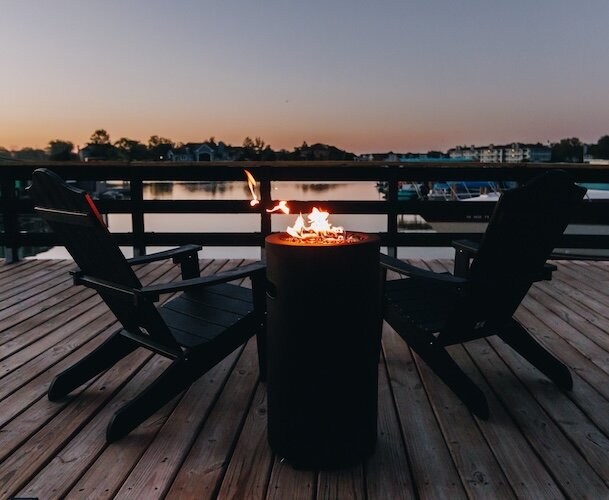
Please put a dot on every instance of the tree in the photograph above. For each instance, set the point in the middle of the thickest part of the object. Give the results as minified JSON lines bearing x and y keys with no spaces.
{"x":100,"y":147}
{"x":30,"y":154}
{"x":5,"y":154}
{"x":568,"y":150}
{"x":254,"y":149}
{"x":159,"y":147}
{"x":267,"y":154}
{"x":282,"y":154}
{"x":259,"y":145}
{"x":131,"y":149}
{"x":59,"y":150}
{"x":301,"y":153}
{"x":156,"y":141}
{"x":601,"y":148}
{"x":100,"y":136}
{"x":248,"y":148}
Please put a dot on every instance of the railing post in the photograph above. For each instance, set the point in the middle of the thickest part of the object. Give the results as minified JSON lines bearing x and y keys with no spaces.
{"x":137,"y":215}
{"x":392,"y":211}
{"x":265,"y":197}
{"x":11,"y":221}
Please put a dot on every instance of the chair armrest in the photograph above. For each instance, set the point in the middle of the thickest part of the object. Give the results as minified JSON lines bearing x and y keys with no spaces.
{"x":468,"y":246}
{"x":464,"y":250}
{"x":548,"y":269}
{"x":411,"y":271}
{"x":108,"y":287}
{"x":223,"y":277}
{"x":174,"y":253}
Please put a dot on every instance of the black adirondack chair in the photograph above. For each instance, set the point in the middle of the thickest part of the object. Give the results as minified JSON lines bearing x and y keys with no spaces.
{"x":197,"y":329}
{"x":433,"y":310}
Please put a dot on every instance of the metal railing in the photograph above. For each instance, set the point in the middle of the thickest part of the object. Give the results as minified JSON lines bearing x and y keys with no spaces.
{"x":14,"y":204}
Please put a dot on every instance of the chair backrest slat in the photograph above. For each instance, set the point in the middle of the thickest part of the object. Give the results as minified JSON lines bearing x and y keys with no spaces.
{"x":71,"y":214}
{"x":525,"y":227}
{"x":77,"y":218}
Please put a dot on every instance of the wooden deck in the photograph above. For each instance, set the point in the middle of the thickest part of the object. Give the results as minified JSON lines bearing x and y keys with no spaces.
{"x":211,"y":441}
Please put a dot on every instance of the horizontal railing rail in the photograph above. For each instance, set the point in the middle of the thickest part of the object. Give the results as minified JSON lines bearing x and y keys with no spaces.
{"x":13,"y":204}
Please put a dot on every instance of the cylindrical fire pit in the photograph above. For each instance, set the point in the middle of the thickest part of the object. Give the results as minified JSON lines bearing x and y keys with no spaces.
{"x":324,"y":328}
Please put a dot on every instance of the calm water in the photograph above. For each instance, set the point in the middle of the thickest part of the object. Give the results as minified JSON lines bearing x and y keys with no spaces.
{"x":251,"y":222}
{"x":282,"y":190}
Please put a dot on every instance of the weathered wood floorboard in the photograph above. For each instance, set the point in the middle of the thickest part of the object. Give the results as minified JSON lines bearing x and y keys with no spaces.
{"x":247,"y":474}
{"x":210,"y":442}
{"x":526,"y":474}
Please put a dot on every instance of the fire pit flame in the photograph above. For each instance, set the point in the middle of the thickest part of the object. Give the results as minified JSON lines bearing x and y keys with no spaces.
{"x":281,"y":206}
{"x":251,"y":183}
{"x":318,"y":230}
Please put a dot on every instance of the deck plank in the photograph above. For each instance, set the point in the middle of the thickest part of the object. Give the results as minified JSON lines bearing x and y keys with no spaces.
{"x":8,"y":269}
{"x":30,"y":277}
{"x":573,"y":422}
{"x":480,"y":473}
{"x":287,"y":482}
{"x":596,"y":354}
{"x":216,"y":440}
{"x":248,"y":471}
{"x":434,"y":473}
{"x":210,"y":442}
{"x":347,"y":484}
{"x":568,"y":467}
{"x":526,"y":474}
{"x":579,"y":315}
{"x":29,"y":458}
{"x":388,"y":470}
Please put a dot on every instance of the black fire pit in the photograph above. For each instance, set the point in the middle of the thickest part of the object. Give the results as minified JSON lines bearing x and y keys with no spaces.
{"x":324,"y":329}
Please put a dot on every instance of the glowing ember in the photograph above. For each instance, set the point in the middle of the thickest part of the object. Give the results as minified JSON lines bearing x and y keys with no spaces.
{"x":251,"y":183}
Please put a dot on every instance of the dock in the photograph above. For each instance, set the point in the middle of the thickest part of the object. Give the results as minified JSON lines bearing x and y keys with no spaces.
{"x":210,"y":442}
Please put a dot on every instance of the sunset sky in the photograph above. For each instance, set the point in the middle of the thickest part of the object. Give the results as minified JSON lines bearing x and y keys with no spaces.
{"x":365,"y":76}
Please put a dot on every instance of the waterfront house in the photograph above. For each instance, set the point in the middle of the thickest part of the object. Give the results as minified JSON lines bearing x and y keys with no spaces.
{"x":204,"y":151}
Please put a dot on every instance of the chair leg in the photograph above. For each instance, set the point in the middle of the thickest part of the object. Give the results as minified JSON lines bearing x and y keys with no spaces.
{"x":442,"y":364}
{"x":519,"y":339}
{"x":445,"y":367}
{"x":175,"y":379}
{"x":106,"y":355}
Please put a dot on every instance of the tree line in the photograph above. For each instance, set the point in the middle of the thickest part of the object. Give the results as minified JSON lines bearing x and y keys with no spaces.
{"x":157,"y":148}
{"x":100,"y":146}
{"x":572,"y":150}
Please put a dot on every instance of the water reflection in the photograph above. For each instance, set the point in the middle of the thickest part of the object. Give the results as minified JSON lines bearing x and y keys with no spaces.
{"x":331,"y":190}
{"x":221,"y":190}
{"x":238,"y":190}
{"x":319,"y":188}
{"x":158,"y":190}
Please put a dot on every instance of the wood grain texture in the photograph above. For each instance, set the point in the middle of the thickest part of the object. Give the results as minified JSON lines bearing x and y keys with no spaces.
{"x":210,"y":442}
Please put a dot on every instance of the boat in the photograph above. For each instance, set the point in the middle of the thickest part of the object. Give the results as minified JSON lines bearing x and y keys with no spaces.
{"x":463,"y":190}
{"x":406,"y":190}
{"x":466,"y":191}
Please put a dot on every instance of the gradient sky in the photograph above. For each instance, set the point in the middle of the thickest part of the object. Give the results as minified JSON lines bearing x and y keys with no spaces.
{"x":365,"y":76}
